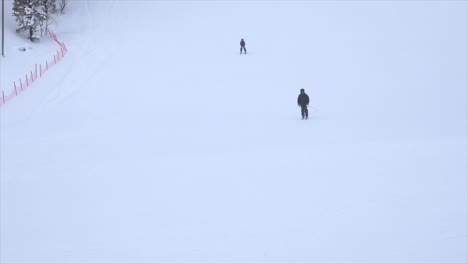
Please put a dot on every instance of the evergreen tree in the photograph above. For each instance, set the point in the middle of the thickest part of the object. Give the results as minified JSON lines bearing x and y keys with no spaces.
{"x":51,"y":6}
{"x":31,"y":15}
{"x":62,"y":4}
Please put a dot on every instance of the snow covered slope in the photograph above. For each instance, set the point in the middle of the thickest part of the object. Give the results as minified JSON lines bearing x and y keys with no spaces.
{"x":155,"y":141}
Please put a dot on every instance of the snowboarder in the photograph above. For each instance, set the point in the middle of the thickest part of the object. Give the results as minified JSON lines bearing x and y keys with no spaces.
{"x":303,"y":102}
{"x":242,"y":43}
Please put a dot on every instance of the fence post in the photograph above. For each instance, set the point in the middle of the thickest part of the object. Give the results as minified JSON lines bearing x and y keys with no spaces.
{"x":58,"y":55}
{"x":16,"y":91}
{"x":27,"y":81}
{"x":32,"y":77}
{"x":40,"y":70}
{"x":3,"y":97}
{"x":55,"y":60}
{"x":47,"y":65}
{"x":14,"y":83}
{"x":35,"y":73}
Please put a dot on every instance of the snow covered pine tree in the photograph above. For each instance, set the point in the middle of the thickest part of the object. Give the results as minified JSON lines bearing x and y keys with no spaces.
{"x":31,"y":15}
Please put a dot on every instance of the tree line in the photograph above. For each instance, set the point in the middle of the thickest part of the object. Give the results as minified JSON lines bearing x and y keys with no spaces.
{"x":34,"y":16}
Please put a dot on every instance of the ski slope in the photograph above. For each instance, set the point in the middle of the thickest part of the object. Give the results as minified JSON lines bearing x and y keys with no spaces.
{"x":155,"y":141}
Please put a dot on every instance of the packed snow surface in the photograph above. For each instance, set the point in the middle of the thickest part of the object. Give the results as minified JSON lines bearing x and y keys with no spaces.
{"x":155,"y":141}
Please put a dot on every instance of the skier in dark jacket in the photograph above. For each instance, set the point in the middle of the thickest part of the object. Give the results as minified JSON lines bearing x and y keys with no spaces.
{"x":242,"y":43}
{"x":303,"y":102}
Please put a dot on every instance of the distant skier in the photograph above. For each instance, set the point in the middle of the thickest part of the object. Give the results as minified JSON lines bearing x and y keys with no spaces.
{"x":303,"y":102}
{"x":242,"y":43}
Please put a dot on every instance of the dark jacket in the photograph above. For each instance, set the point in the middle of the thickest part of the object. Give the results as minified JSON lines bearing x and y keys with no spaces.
{"x":242,"y":43}
{"x":303,"y":99}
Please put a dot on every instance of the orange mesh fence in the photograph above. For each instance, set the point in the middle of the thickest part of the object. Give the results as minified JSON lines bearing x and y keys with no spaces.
{"x":24,"y":82}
